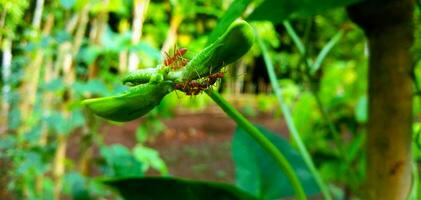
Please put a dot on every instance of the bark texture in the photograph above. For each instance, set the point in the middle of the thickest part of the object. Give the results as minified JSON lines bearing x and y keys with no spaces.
{"x":389,"y":30}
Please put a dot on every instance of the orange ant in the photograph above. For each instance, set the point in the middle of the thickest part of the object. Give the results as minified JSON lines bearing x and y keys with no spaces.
{"x":194,"y":87}
{"x":176,"y":61}
{"x":213,"y":77}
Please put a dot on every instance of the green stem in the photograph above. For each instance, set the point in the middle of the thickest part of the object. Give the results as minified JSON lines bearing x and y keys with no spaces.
{"x":262,"y":140}
{"x":290,"y":122}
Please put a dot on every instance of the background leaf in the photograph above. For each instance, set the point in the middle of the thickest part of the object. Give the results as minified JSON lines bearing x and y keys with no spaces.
{"x":257,"y":172}
{"x":67,"y":4}
{"x":160,"y":188}
{"x":234,"y":11}
{"x":361,"y":109}
{"x":78,"y":186}
{"x":120,"y":162}
{"x":279,"y":10}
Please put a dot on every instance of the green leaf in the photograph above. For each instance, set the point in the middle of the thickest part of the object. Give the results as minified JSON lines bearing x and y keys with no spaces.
{"x":89,"y":54}
{"x":93,"y":86}
{"x":80,"y":187}
{"x":54,"y":85}
{"x":148,"y":49}
{"x":77,"y":186}
{"x":67,"y":4}
{"x":361,"y":110}
{"x":229,"y":47}
{"x":64,"y":125}
{"x":150,"y":157}
{"x":120,"y":162}
{"x":167,"y":188}
{"x":356,"y":146}
{"x":258,"y":173}
{"x":234,"y":11}
{"x":279,"y":10}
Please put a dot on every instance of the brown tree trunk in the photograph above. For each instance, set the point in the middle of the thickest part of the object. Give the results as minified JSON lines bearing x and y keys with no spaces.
{"x":388,"y":27}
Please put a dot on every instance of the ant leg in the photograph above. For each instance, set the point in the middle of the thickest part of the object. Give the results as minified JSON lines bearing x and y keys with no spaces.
{"x":178,"y":96}
{"x":167,"y":60}
{"x":197,"y":73}
{"x":174,"y":53}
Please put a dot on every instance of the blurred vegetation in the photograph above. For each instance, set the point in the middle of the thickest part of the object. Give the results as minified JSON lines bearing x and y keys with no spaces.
{"x":56,"y":53}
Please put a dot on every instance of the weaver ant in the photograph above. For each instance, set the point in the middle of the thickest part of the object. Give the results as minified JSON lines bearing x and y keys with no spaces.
{"x":176,"y":61}
{"x":194,"y":87}
{"x":213,"y":77}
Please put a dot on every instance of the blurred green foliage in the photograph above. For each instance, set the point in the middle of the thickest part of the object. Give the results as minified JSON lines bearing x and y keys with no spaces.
{"x":30,"y":145}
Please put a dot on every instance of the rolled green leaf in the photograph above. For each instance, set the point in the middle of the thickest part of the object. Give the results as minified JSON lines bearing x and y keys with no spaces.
{"x":229,"y":47}
{"x":132,"y":104}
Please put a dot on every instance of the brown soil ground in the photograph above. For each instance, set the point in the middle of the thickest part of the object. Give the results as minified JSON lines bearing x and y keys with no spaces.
{"x":194,"y":145}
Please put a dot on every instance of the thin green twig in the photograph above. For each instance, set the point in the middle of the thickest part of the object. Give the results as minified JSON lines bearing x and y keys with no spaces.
{"x":326,"y":49}
{"x":309,"y":72}
{"x":262,"y":140}
{"x":311,"y":69}
{"x":294,"y":37}
{"x":290,"y":122}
